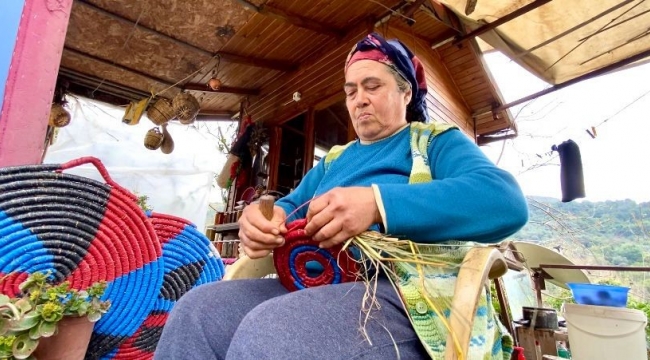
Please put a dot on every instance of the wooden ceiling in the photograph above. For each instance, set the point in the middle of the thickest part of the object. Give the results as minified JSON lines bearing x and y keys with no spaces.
{"x":121,"y":50}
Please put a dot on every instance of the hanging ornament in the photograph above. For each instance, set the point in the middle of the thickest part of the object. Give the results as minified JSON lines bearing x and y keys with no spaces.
{"x":167,"y":144}
{"x":214,"y":84}
{"x":59,"y":117}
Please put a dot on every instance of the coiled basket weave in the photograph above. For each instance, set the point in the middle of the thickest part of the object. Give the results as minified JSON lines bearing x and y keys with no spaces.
{"x":85,"y":231}
{"x":189,"y":260}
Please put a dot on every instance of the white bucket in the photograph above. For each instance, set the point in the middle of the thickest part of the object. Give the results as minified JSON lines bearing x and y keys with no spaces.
{"x":605,"y":333}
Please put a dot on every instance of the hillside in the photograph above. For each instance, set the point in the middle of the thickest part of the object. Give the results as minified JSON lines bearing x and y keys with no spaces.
{"x":609,"y":232}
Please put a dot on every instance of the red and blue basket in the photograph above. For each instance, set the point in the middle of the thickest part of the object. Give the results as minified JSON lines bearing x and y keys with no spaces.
{"x":85,"y":231}
{"x":190,"y":260}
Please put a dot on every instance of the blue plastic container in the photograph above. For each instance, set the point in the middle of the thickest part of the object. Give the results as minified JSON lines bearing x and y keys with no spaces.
{"x":600,"y":295}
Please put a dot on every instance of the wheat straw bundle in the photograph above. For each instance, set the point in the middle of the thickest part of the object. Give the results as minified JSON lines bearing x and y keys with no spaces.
{"x":391,"y":255}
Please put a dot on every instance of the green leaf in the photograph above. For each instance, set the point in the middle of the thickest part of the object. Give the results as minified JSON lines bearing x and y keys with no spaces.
{"x":5,"y":354}
{"x":14,"y":310}
{"x":27,"y":322}
{"x":23,"y":305}
{"x":4,"y":299}
{"x":47,"y":329}
{"x":94,"y":316}
{"x":27,"y":284}
{"x":24,"y":346}
{"x":35,"y":333}
{"x":83,"y":308}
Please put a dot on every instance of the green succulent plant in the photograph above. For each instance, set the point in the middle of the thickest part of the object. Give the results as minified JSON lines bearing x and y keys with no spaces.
{"x":35,"y":314}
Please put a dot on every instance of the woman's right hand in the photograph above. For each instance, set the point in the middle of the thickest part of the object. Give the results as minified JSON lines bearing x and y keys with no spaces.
{"x":258,"y":235}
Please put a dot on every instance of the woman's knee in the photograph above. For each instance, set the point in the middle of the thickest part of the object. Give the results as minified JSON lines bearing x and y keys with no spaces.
{"x":315,"y":321}
{"x":197,"y":299}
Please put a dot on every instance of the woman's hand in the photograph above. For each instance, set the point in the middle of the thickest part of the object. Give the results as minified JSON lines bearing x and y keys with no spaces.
{"x":340,"y":214}
{"x":258,"y":235}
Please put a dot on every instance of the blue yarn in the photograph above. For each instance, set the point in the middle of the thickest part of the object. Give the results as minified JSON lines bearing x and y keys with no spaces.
{"x":111,"y":354}
{"x":26,"y":249}
{"x":130,"y":308}
{"x":482,"y":311}
{"x":311,"y":248}
{"x":477,"y":341}
{"x":163,"y":304}
{"x":498,"y":346}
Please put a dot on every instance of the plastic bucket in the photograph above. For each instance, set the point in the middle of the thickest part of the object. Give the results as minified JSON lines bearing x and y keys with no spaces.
{"x":605,"y":333}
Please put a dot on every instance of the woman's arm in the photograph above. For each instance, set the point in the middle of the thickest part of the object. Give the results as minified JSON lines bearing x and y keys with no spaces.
{"x":469,"y":199}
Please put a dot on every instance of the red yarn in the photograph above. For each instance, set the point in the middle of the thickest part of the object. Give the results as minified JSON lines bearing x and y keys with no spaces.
{"x":338,"y":266}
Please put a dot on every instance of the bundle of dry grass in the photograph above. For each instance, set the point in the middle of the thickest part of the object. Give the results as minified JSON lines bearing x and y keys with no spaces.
{"x":391,"y":255}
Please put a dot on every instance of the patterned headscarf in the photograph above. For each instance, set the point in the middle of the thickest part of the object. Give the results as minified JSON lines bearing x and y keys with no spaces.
{"x":396,"y":55}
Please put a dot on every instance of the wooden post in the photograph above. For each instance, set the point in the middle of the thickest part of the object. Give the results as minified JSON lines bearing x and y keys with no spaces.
{"x":31,"y":80}
{"x":351,"y":133}
{"x":503,"y":304}
{"x":310,"y":140}
{"x":275,"y":143}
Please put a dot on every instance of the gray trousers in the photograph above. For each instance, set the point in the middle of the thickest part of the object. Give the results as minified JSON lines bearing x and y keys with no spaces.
{"x":260,"y":319}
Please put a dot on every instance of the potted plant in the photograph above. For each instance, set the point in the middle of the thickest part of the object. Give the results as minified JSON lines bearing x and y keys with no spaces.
{"x":49,"y":318}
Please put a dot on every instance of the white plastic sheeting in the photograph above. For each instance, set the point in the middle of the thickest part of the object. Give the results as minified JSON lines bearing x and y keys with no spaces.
{"x":179,"y":184}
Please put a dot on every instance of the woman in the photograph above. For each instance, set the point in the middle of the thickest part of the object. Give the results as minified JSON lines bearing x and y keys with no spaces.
{"x":369,"y":183}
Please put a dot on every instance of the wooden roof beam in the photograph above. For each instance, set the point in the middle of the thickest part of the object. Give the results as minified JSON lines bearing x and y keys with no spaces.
{"x":410,"y":10}
{"x":118,"y":66}
{"x":95,"y":84}
{"x":234,"y":58}
{"x":441,"y":13}
{"x":283,"y":66}
{"x":502,"y":20}
{"x":99,"y":89}
{"x":223,"y":89}
{"x":446,"y":16}
{"x":292,"y":19}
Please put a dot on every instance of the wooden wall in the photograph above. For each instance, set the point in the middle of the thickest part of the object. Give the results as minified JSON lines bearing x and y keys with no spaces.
{"x":318,"y":78}
{"x":323,"y":78}
{"x":444,"y":101}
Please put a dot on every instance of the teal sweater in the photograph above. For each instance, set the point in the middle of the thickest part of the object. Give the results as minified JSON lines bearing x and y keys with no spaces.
{"x":469,"y":199}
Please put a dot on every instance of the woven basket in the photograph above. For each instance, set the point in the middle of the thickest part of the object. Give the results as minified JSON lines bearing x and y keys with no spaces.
{"x":160,"y":112}
{"x":153,"y":139}
{"x":190,"y":260}
{"x":59,"y":117}
{"x":83,"y":231}
{"x":186,"y":107}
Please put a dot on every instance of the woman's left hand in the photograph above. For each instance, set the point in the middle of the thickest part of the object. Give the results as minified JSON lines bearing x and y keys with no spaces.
{"x":340,"y":214}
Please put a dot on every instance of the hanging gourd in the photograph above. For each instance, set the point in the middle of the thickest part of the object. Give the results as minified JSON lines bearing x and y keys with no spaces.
{"x":167,"y":145}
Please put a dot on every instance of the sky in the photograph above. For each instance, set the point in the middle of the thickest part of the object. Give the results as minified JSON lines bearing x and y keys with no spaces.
{"x":10,"y":12}
{"x":615,"y":163}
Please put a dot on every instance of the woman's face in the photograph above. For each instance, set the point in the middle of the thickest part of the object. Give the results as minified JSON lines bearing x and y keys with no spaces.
{"x":376,"y":106}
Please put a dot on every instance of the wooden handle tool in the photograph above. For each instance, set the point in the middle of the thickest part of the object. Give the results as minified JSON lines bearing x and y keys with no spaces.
{"x":266,"y":206}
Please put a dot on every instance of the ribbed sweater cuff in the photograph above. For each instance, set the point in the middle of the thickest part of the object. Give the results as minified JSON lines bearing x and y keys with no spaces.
{"x":380,"y":205}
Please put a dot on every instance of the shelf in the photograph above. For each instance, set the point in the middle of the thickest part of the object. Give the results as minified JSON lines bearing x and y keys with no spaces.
{"x":224,"y":227}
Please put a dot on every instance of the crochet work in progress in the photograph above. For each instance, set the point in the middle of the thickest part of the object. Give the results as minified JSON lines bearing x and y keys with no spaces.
{"x":291,"y":261}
